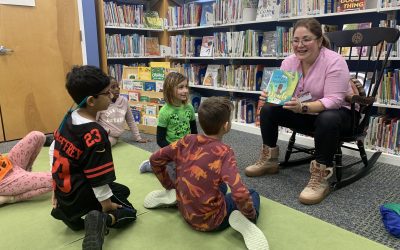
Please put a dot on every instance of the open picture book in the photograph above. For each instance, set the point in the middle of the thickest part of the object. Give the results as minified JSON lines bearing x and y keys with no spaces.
{"x":281,"y":86}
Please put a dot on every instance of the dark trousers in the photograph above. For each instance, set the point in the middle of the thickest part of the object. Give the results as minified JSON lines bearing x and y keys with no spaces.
{"x":327,"y":126}
{"x":123,"y":215}
{"x":231,"y":206}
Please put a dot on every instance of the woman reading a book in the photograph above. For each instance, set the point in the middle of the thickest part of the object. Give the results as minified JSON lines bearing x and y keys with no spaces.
{"x":318,"y":105}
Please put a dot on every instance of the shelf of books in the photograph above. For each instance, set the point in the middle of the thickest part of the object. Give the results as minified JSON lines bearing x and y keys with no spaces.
{"x":234,"y":46}
{"x":142,"y":86}
{"x":130,"y":33}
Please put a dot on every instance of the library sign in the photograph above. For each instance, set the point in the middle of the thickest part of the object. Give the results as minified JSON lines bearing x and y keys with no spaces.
{"x":346,"y":5}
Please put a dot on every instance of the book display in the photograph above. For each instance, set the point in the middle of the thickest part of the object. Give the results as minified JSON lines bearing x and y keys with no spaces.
{"x":232,"y":47}
{"x":142,"y":86}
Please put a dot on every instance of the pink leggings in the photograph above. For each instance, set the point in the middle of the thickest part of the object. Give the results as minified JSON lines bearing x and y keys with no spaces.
{"x":20,"y":182}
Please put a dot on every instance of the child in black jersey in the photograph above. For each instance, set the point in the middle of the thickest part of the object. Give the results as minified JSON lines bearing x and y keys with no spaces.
{"x":83,"y":169}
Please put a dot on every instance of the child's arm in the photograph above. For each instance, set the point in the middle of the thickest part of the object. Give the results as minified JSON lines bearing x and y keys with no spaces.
{"x":162,"y":137}
{"x":240,"y":193}
{"x":193,"y":127}
{"x":159,"y":160}
{"x":132,"y":125}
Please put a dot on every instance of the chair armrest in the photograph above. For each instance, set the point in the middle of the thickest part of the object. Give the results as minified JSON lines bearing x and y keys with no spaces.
{"x":362,"y":100}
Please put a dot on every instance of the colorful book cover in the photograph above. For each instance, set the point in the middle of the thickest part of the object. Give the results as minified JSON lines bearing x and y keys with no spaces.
{"x":157,"y":73}
{"x":149,"y":86}
{"x":160,"y":64}
{"x":266,"y":76}
{"x":346,"y":5}
{"x":145,"y":73}
{"x":151,"y":46}
{"x":207,"y":46}
{"x":151,"y":110}
{"x":207,"y":14}
{"x":281,"y":86}
{"x":136,"y":114}
{"x":152,"y":20}
{"x":134,"y":95}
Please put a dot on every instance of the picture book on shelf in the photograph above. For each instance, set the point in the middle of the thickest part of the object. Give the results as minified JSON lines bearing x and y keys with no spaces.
{"x":346,"y":5}
{"x":151,"y":46}
{"x":207,"y":14}
{"x":152,"y":20}
{"x":145,"y":73}
{"x":281,"y":86}
{"x":267,"y":9}
{"x":211,"y":76}
{"x":136,"y":114}
{"x":160,"y":64}
{"x":157,"y":73}
{"x":134,"y":95}
{"x":207,"y":46}
{"x":149,"y":86}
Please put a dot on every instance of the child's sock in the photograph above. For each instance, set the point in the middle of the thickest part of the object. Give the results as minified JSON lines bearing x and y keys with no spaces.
{"x":160,"y":198}
{"x":254,"y":238}
{"x":6,"y":199}
{"x":145,"y":167}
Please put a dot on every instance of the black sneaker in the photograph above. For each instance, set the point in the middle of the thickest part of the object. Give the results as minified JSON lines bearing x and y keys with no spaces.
{"x":95,"y":227}
{"x":123,"y":216}
{"x":49,"y":140}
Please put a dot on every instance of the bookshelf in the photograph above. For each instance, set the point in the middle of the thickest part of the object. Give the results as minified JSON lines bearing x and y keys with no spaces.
{"x":374,"y":12}
{"x":106,"y":28}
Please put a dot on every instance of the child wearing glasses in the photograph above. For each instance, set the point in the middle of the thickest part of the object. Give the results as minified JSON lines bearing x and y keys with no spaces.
{"x":113,"y":119}
{"x":83,"y":169}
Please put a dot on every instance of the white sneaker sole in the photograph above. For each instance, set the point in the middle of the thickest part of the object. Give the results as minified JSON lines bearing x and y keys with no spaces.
{"x":254,"y":238}
{"x":160,"y":198}
{"x":144,"y":169}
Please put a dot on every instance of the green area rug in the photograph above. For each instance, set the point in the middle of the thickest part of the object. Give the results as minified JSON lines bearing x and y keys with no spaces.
{"x":28,"y":225}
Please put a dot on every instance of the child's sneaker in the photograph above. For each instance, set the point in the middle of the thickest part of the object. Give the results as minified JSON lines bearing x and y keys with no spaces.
{"x":253,"y":236}
{"x":123,"y":216}
{"x":95,"y":227}
{"x":160,"y":198}
{"x":145,"y":167}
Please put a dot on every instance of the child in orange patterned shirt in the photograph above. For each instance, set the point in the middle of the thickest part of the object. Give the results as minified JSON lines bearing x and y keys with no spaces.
{"x":204,"y":165}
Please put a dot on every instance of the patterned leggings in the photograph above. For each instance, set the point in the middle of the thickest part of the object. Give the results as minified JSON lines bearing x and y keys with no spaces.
{"x":20,"y":182}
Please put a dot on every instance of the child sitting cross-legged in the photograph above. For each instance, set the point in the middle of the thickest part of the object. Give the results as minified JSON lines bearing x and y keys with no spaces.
{"x":83,"y":169}
{"x":204,"y":165}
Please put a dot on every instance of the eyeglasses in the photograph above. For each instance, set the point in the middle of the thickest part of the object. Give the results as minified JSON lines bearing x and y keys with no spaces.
{"x":304,"y":41}
{"x":108,"y":92}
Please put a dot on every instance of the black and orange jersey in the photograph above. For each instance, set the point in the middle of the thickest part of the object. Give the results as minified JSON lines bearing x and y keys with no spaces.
{"x":82,"y":160}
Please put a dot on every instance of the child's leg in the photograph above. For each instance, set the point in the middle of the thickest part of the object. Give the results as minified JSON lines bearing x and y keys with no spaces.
{"x":256,"y":201}
{"x":24,"y":185}
{"x":25,"y":152}
{"x":113,"y":140}
{"x":127,"y":214}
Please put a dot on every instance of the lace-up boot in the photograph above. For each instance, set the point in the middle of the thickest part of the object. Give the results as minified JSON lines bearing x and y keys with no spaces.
{"x":266,"y":164}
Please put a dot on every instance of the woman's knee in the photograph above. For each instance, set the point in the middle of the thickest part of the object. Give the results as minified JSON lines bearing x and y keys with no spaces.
{"x":328,"y":119}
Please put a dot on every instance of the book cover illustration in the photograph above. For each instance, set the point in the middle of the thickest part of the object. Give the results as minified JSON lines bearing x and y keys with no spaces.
{"x":149,"y":86}
{"x":266,"y":76}
{"x":152,"y":20}
{"x":157,"y":73}
{"x":136,"y":114}
{"x":207,"y":46}
{"x":211,"y":76}
{"x":134,"y":95}
{"x":128,"y":84}
{"x":281,"y":86}
{"x":160,"y":64}
{"x":150,"y":110}
{"x":207,"y":14}
{"x":346,"y":5}
{"x":145,"y":73}
{"x":151,"y":46}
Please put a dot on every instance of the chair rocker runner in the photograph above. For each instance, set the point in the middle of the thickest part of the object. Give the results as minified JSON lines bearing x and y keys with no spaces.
{"x":372,"y":48}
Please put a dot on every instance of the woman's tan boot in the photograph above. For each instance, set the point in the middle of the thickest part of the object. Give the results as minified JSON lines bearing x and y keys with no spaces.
{"x":267,"y":164}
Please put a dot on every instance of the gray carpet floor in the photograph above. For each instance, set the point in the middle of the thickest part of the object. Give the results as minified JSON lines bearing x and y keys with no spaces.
{"x":354,"y":208}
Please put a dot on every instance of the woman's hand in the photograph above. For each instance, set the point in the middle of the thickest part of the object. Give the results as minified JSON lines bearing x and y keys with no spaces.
{"x":264,"y":95}
{"x":294,"y":105}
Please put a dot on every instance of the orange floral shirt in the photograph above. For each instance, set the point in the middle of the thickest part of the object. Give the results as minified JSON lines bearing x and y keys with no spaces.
{"x":202,"y":164}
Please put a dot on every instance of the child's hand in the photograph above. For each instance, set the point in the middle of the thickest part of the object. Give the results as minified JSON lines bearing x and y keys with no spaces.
{"x":144,"y":140}
{"x":108,"y":205}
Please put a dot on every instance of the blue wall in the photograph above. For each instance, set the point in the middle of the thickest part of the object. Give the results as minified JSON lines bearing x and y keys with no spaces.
{"x":92,"y":46}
